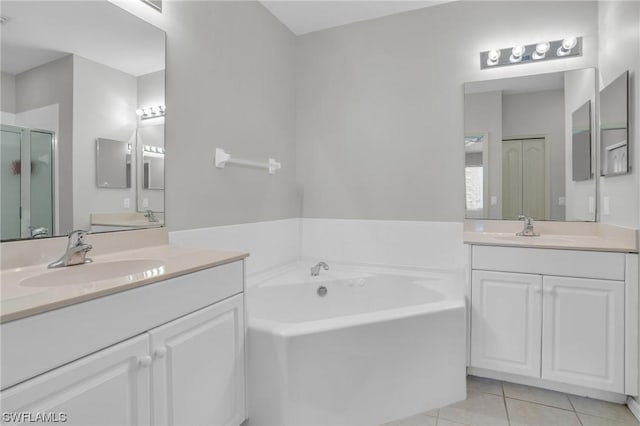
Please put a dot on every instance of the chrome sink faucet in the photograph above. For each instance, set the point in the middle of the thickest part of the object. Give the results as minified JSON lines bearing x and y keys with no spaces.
{"x":527,"y":231}
{"x":315,"y":270}
{"x":76,"y":251}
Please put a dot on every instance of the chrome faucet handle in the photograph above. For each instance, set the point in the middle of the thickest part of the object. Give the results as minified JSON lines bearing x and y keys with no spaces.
{"x":79,"y":239}
{"x":528,"y":219}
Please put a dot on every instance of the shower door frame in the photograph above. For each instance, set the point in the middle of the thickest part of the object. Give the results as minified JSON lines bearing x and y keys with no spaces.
{"x":25,"y":178}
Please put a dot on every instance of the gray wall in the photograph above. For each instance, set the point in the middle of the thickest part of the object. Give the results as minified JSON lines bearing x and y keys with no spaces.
{"x":579,"y":87}
{"x":230,"y":74}
{"x":104,"y":105}
{"x":50,"y":84}
{"x":483,"y":114}
{"x":619,"y":37}
{"x":8,"y":93}
{"x":380,"y":106}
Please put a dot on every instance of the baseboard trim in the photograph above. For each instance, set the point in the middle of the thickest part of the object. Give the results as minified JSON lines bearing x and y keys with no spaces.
{"x":617,"y":398}
{"x":634,"y":407}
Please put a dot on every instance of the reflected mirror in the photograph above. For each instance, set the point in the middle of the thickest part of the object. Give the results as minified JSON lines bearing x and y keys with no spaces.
{"x":581,"y":142}
{"x":113,"y":164}
{"x":73,"y":102}
{"x":614,"y":132}
{"x":519,"y":147}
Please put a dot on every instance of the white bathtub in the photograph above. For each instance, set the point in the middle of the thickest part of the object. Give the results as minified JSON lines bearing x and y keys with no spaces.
{"x":381,"y":345}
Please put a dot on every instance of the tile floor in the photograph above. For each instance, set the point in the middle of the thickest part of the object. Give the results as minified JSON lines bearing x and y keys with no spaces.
{"x":495,"y":403}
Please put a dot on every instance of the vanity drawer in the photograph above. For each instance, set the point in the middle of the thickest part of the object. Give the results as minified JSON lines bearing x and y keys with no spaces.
{"x":36,"y":344}
{"x":568,"y":263}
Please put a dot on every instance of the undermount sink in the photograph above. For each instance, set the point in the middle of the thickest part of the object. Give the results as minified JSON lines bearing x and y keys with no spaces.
{"x":92,"y":272}
{"x":549,"y":239}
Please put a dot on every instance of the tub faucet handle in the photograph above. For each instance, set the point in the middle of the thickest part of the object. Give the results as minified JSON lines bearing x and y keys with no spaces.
{"x":315,"y":270}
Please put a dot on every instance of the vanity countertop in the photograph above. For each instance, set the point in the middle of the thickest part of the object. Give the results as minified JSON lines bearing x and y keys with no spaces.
{"x":550,"y":241}
{"x":18,"y":300}
{"x":553,"y":235}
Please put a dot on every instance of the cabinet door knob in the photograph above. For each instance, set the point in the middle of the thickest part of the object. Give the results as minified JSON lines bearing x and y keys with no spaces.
{"x":144,"y":361}
{"x":160,"y":352}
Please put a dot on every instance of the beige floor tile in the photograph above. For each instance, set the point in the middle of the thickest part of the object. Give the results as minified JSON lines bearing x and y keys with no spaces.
{"x":541,"y":396}
{"x":421,"y":419}
{"x":588,"y":420}
{"x":445,"y":422}
{"x":478,"y":409}
{"x":480,"y":384}
{"x":608,"y":410}
{"x":531,"y":414}
{"x":432,"y":413}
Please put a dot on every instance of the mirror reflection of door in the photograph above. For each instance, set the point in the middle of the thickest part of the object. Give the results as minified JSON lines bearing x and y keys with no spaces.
{"x":476,"y":178}
{"x":524,"y":178}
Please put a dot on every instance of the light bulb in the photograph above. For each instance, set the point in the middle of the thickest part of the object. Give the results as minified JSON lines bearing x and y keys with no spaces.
{"x":517,"y":51}
{"x":516,"y":54}
{"x":542,"y":48}
{"x":493,"y":56}
{"x":569,"y":43}
{"x":139,"y":112}
{"x":147,"y":111}
{"x":155,"y":110}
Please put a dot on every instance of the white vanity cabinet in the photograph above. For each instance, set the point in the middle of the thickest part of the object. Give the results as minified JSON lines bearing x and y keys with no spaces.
{"x":110,"y":387}
{"x":568,"y":319}
{"x":506,"y":315}
{"x":198,"y":367}
{"x":187,"y":369}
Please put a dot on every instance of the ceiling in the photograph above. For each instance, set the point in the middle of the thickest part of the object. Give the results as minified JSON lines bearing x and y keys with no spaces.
{"x":39,"y":32}
{"x":305,"y":16}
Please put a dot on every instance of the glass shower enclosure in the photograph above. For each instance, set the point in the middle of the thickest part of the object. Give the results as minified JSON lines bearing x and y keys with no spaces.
{"x":27,"y":203}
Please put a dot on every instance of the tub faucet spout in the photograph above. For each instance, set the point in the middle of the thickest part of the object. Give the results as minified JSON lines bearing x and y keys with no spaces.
{"x":315,"y":270}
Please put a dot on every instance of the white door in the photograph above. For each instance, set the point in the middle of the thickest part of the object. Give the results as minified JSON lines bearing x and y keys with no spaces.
{"x":506,"y":311}
{"x":198,"y":370}
{"x":583,"y":332}
{"x":511,"y":179}
{"x":534,"y":182}
{"x":525,"y":189}
{"x":110,"y":387}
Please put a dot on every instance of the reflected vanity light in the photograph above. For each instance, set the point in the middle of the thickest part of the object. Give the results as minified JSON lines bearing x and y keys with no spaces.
{"x":151,"y":112}
{"x":537,"y":52}
{"x":153,"y":149}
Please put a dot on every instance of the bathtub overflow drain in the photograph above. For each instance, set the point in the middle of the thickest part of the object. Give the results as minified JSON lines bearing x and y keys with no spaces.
{"x":322,"y":291}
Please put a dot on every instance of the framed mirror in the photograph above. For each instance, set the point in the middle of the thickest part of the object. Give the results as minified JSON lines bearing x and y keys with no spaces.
{"x":71,"y":101}
{"x":614,"y":127}
{"x":520,"y":153}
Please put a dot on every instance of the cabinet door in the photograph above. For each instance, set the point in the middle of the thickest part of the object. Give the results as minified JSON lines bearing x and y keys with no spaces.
{"x":198,"y":370}
{"x":506,"y":313}
{"x":583,"y":332}
{"x":109,"y":387}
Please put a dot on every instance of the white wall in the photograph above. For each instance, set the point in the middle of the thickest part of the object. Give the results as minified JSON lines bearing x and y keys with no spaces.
{"x":579,"y":87}
{"x":619,"y":40}
{"x":104,"y":105}
{"x":540,"y":114}
{"x":483,"y":114}
{"x":380,"y":106}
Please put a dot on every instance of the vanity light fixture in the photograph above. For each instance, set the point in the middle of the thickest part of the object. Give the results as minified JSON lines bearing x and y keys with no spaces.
{"x":151,"y":112}
{"x":522,"y":54}
{"x":4,"y":20}
{"x":153,"y":149}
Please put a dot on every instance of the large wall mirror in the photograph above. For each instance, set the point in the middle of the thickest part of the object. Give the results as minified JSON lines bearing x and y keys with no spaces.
{"x":82,"y":94}
{"x":529,"y":148}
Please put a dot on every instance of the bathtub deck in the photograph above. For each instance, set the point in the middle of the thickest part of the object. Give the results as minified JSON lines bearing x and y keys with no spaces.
{"x":495,"y":403}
